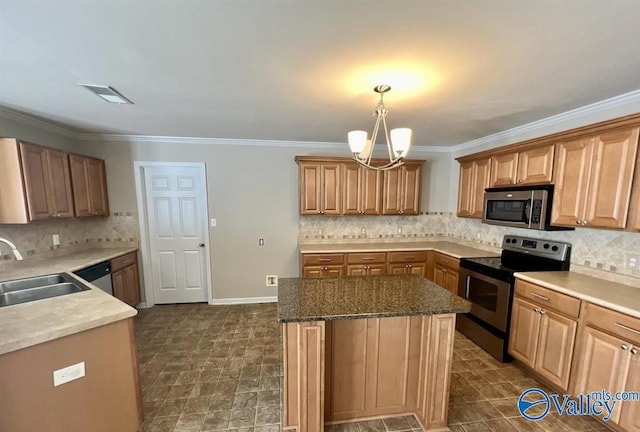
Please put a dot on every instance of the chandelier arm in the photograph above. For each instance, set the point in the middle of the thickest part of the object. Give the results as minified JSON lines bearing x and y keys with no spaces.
{"x":386,"y":135}
{"x":374,"y":136}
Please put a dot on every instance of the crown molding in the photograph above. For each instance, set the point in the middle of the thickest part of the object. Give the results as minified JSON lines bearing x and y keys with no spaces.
{"x":607,"y":104}
{"x":29,"y":120}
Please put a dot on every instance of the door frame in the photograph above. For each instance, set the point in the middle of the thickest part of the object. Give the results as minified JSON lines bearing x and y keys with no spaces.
{"x":145,"y":244}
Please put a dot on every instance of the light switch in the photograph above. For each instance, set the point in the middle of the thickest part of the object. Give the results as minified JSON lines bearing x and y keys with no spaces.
{"x":56,"y":239}
{"x":213,"y":222}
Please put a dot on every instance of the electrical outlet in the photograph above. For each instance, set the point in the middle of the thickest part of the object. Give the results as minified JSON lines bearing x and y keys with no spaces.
{"x":400,"y":230}
{"x":272,"y":280}
{"x":70,"y":373}
{"x":56,"y":239}
{"x":260,"y":242}
{"x":633,"y":262}
{"x":214,"y":223}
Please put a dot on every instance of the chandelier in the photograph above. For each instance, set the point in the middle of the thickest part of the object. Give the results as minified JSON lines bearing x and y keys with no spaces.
{"x":397,"y":146}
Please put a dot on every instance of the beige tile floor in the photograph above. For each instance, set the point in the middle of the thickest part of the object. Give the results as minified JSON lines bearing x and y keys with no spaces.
{"x":218,"y":368}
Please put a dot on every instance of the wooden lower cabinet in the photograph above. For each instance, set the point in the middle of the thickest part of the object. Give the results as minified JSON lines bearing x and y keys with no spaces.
{"x":323,"y":271}
{"x":409,"y":268}
{"x":366,"y":270}
{"x":107,"y":399}
{"x":346,"y":370}
{"x":125,"y":279}
{"x":630,"y":411}
{"x":542,"y":340}
{"x":444,"y":271}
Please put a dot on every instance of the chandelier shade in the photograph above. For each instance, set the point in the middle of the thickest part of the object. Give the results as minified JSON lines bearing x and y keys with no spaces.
{"x":398,"y":141}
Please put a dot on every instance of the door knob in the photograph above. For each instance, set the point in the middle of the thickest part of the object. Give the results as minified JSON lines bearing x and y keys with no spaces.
{"x":201,"y":245}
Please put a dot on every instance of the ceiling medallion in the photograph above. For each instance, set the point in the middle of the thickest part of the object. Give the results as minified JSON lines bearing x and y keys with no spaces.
{"x":398,"y":142}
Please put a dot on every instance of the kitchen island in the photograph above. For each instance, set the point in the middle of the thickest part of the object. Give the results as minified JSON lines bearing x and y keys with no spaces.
{"x":365,"y":347}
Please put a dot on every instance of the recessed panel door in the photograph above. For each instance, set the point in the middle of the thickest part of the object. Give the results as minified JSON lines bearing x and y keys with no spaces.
{"x":176,"y":215}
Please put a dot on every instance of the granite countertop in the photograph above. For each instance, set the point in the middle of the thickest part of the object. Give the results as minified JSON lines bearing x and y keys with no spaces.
{"x":27,"y":324}
{"x":448,"y":248}
{"x":354,"y":297}
{"x":612,"y":295}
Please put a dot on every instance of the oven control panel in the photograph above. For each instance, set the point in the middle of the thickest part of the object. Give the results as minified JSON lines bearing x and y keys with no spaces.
{"x":536,"y":246}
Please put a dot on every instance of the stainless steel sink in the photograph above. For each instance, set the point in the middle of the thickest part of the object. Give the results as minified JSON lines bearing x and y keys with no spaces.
{"x":38,"y":288}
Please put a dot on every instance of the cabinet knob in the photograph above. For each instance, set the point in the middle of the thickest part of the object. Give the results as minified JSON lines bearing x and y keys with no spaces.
{"x":624,"y":347}
{"x":584,"y":222}
{"x":634,"y":351}
{"x":520,"y":181}
{"x":511,"y":181}
{"x":542,"y":312}
{"x":537,"y":309}
{"x":578,"y":222}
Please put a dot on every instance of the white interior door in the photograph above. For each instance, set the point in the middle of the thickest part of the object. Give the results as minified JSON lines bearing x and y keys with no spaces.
{"x":177,"y":228}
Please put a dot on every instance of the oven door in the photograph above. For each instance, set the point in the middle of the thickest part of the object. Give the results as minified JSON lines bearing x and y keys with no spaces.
{"x":489,"y":297}
{"x":509,"y":208}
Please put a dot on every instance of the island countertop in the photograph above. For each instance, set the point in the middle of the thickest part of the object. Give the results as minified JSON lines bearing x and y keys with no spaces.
{"x":355,"y":297}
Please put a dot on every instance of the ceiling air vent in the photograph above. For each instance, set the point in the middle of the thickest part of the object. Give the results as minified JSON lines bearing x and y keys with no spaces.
{"x":107,"y":93}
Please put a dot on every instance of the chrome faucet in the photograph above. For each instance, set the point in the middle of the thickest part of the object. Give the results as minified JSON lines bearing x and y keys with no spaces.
{"x":14,"y":249}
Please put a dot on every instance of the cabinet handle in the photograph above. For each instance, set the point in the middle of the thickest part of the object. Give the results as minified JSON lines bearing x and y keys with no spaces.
{"x":324,"y":260}
{"x":444,"y":270}
{"x":367,"y":259}
{"x":541,"y":297}
{"x":536,"y":310}
{"x":624,"y":327}
{"x":634,"y":351}
{"x":624,"y":347}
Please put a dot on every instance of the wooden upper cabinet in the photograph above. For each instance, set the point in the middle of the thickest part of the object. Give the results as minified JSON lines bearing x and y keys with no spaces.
{"x":401,"y":190}
{"x":529,"y":166}
{"x":89,"y":186}
{"x":474,"y":179}
{"x":504,"y":169}
{"x":320,"y":188}
{"x":593,"y":178}
{"x":47,"y":182}
{"x":362,"y":190}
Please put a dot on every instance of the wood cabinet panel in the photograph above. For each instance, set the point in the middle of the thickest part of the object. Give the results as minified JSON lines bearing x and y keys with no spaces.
{"x":367,"y":257}
{"x":320,"y":188}
{"x":123,"y":261}
{"x":310,"y":188}
{"x":125,"y":279}
{"x":535,"y":165}
{"x":326,"y":271}
{"x":36,"y":181}
{"x":572,"y":174}
{"x":330,"y":192}
{"x":362,"y":190}
{"x":474,"y":179}
{"x":81,"y":200}
{"x":465,"y":189}
{"x":60,"y":183}
{"x":593,"y":180}
{"x":97,"y":180}
{"x":524,"y":333}
{"x":322,"y":259}
{"x":602,"y":363}
{"x":504,"y":169}
{"x":555,"y":348}
{"x":559,"y":302}
{"x":630,"y":411}
{"x":401,"y":190}
{"x":410,"y":268}
{"x":616,"y":323}
{"x":609,"y":189}
{"x":348,"y":372}
{"x":400,"y":257}
{"x":366,"y":269}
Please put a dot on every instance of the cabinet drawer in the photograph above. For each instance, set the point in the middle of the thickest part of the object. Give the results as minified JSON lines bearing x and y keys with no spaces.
{"x":443,"y":260}
{"x":545,"y":297}
{"x":624,"y":326}
{"x":367,"y":258}
{"x":124,"y":261}
{"x":398,"y":257}
{"x":322,"y":259}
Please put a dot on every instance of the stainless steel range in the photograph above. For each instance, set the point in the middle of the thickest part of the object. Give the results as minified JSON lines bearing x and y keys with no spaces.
{"x":488,"y":283}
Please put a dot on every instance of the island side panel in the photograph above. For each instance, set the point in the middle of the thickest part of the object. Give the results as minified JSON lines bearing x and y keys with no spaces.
{"x":304,"y":349}
{"x":106,"y":399}
{"x":438,"y":334}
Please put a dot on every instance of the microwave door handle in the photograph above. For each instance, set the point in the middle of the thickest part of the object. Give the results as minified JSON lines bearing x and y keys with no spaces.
{"x":526,"y":214}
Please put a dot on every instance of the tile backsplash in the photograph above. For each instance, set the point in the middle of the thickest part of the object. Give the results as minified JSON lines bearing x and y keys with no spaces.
{"x":599,"y":250}
{"x":35,"y":238}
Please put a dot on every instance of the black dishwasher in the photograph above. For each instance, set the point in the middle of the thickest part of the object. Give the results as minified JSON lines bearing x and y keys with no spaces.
{"x":99,"y":275}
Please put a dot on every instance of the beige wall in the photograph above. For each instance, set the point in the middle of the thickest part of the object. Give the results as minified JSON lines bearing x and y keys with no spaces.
{"x":253,"y":194}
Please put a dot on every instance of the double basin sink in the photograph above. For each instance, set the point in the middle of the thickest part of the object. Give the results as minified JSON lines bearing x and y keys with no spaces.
{"x":38,"y":288}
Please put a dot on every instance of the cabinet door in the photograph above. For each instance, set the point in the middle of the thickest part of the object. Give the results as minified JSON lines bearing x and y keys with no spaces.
{"x":97,"y":183}
{"x":535,"y":166}
{"x":310,"y":186}
{"x":391,"y":195}
{"x":80,"y":186}
{"x":465,"y":189}
{"x":60,"y":183}
{"x":397,"y":269}
{"x":481,"y":181}
{"x":417,"y":268}
{"x":132,"y":285}
{"x":410,"y":189}
{"x":331,"y":197}
{"x":333,"y":271}
{"x":603,"y":363}
{"x":572,"y":170}
{"x":611,"y":177}
{"x":630,"y":411}
{"x":377,"y":270}
{"x":525,"y":328}
{"x":451,"y":281}
{"x":555,"y":348}
{"x":119,"y":284}
{"x":351,"y":189}
{"x":504,"y":169}
{"x":36,"y":179}
{"x":357,"y":270}
{"x":439,"y":276}
{"x":370,"y":191}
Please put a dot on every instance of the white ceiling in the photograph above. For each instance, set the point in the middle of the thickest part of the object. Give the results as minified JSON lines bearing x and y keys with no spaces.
{"x":303,"y":70}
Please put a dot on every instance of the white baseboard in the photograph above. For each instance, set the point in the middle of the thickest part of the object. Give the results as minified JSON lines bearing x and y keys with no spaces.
{"x":142,"y":305}
{"x":244,"y":300}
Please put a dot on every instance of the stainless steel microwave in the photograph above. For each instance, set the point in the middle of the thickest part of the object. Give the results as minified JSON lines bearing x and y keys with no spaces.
{"x":520,"y":207}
